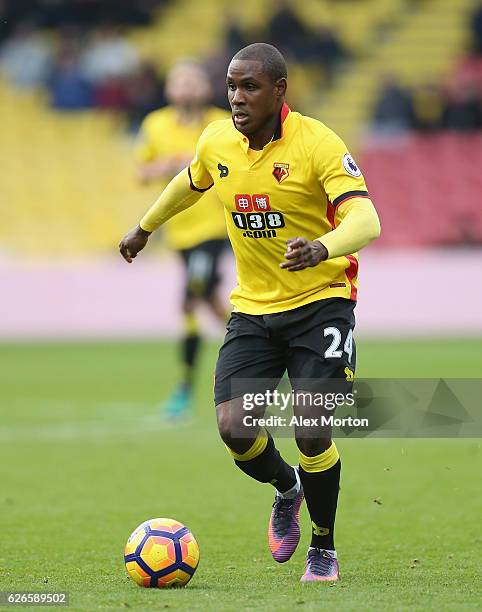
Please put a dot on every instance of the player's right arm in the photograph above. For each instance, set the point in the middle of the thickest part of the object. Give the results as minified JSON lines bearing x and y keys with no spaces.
{"x":183,"y":191}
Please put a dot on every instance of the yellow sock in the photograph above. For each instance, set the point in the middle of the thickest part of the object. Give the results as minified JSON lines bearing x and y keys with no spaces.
{"x":191,"y":326}
{"x":256,"y":449}
{"x":322,"y":462}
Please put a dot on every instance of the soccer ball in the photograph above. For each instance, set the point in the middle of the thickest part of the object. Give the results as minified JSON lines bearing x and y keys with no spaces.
{"x":161,"y":553}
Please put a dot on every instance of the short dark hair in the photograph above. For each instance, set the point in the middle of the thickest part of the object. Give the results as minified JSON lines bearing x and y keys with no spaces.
{"x":274,"y":63}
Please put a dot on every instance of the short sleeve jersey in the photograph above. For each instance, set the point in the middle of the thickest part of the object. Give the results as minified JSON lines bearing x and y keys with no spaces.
{"x":290,"y":189}
{"x":161,"y":136}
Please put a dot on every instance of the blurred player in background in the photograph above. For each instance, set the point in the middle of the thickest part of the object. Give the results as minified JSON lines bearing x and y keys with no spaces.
{"x":167,"y":141}
{"x":298,"y":210}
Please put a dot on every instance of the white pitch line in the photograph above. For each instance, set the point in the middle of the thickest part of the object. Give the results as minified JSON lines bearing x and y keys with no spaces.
{"x":94,"y":428}
{"x":74,"y":404}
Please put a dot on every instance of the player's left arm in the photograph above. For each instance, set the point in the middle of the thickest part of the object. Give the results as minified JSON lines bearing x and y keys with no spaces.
{"x":358,"y":226}
{"x":356,"y":220}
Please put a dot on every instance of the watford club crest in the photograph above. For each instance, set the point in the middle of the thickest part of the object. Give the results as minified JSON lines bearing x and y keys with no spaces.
{"x":280,"y":172}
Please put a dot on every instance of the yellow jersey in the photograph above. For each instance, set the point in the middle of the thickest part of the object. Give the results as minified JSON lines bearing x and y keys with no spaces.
{"x":162,"y":136}
{"x":291,"y":188}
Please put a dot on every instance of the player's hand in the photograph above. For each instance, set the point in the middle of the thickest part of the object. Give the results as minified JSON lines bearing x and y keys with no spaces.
{"x":302,"y":253}
{"x":133,"y":242}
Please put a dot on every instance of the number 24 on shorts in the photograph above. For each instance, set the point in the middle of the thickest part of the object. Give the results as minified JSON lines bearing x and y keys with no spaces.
{"x":334,"y":351}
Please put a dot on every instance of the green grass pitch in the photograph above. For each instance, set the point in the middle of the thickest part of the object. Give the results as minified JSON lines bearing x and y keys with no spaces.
{"x":84,"y":459}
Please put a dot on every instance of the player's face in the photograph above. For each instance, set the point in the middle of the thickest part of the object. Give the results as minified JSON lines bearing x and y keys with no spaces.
{"x":188,"y":86}
{"x":254,"y":98}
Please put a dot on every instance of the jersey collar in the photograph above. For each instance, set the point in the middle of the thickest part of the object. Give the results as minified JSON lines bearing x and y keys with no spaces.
{"x":278,"y":133}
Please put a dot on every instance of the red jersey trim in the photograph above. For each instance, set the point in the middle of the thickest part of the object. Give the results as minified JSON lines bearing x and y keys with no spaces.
{"x":285,"y":111}
{"x":330,"y":214}
{"x":351,"y":273}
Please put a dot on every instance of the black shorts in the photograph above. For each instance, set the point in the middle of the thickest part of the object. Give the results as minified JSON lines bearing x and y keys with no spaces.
{"x":202,"y":268}
{"x":313,"y":343}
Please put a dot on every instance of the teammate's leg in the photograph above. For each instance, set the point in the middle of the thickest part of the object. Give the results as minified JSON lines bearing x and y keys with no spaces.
{"x":202,"y":280}
{"x":217,"y":305}
{"x":179,"y":404}
{"x":190,"y":343}
{"x":196,"y":268}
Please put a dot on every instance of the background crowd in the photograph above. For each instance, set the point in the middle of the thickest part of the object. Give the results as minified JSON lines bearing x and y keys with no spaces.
{"x":455,"y":104}
{"x":80,"y":52}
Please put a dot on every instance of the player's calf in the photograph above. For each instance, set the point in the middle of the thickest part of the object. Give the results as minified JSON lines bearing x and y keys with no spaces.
{"x":263,"y":462}
{"x":320,"y":477}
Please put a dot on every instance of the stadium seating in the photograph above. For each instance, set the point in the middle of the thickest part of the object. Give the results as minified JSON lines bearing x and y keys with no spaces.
{"x":424,"y":187}
{"x":422,"y":47}
{"x":173,"y":34}
{"x":68,"y":184}
{"x":67,"y":180}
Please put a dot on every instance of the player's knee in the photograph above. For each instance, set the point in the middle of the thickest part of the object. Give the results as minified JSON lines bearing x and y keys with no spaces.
{"x":313,"y":446}
{"x":223,"y":414}
{"x":231,"y":428}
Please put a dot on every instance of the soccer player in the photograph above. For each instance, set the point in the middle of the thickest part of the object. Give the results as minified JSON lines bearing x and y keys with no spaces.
{"x":167,"y":140}
{"x":297,"y":211}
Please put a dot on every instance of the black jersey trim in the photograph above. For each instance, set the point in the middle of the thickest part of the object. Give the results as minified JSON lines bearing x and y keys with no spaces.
{"x":348,"y":195}
{"x":193,"y":186}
